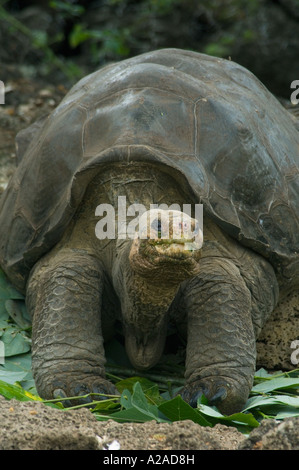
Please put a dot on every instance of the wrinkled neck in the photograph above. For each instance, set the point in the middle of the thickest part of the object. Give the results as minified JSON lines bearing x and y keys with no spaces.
{"x":144,"y":312}
{"x":141,"y":183}
{"x":143,"y":299}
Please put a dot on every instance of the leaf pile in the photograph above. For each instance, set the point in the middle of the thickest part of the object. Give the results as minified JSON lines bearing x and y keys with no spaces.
{"x":15,"y":336}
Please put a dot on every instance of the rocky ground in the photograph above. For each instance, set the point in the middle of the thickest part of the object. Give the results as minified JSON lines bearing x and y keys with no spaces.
{"x":34,"y":426}
{"x":25,"y":101}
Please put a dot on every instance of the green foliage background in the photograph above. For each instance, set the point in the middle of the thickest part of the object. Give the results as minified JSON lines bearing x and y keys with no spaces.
{"x":136,"y":27}
{"x":63,"y":40}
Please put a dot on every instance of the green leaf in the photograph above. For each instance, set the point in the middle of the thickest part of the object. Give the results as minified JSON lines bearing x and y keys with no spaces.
{"x":276,"y":384}
{"x":262,"y":373}
{"x":274,"y":406}
{"x":16,"y":392}
{"x":287,"y":400}
{"x":287,"y":412}
{"x":216,"y":49}
{"x":131,"y":415}
{"x":67,"y":8}
{"x":15,"y":342}
{"x":149,"y":388}
{"x":262,"y":401}
{"x":12,"y":377}
{"x":40,"y":38}
{"x":105,"y":405}
{"x":237,"y":419}
{"x":126,"y":399}
{"x":18,"y":312}
{"x":78,"y":35}
{"x":137,"y":407}
{"x":177,"y":410}
{"x":140,"y":402}
{"x":10,"y":391}
{"x":259,"y":401}
{"x":22,"y":364}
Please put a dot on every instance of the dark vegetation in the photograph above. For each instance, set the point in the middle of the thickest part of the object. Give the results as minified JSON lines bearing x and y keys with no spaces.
{"x":63,"y":40}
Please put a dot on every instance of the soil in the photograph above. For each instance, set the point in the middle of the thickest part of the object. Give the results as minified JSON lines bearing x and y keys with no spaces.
{"x":25,"y":102}
{"x":35,"y":426}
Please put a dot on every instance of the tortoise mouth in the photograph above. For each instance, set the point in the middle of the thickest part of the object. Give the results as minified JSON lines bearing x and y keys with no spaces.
{"x":169,"y":233}
{"x":176,"y":248}
{"x":167,"y":247}
{"x":164,"y":261}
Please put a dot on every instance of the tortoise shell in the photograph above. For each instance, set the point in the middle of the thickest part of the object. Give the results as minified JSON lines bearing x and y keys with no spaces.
{"x":208,"y":118}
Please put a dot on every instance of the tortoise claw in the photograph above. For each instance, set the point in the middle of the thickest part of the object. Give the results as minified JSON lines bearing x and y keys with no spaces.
{"x":219,"y":393}
{"x":81,"y":388}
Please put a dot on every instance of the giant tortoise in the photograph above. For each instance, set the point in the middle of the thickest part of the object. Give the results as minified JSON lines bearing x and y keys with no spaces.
{"x":166,"y":127}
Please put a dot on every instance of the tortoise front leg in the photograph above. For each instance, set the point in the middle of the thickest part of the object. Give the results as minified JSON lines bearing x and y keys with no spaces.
{"x":221,"y":353}
{"x":64,"y":296}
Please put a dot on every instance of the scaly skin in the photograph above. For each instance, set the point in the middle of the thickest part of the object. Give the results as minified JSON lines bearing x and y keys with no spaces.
{"x":221,"y":343}
{"x":64,"y":295}
{"x":222,"y":298}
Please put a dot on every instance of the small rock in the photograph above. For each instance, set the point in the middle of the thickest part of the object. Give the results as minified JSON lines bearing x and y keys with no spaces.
{"x":274,"y":435}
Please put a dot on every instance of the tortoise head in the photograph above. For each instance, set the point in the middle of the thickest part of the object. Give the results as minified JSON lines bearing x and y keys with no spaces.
{"x":164,"y":253}
{"x":167,"y":246}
